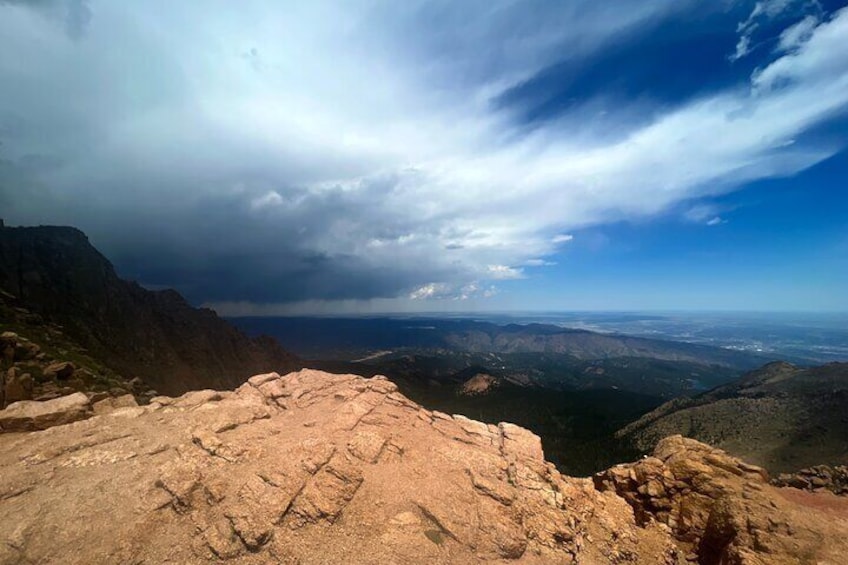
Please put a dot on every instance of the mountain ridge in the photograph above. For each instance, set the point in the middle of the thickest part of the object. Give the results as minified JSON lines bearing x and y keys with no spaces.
{"x":359,"y":337}
{"x":780,"y":416}
{"x":155,"y":335}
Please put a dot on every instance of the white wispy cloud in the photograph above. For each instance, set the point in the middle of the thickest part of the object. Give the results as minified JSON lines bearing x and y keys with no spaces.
{"x":270,"y":198}
{"x":793,"y":37}
{"x":504,"y":272}
{"x":429,"y":290}
{"x":441,"y":292}
{"x":765,"y":11}
{"x":539,"y":263}
{"x":743,"y":47}
{"x":706,"y":214}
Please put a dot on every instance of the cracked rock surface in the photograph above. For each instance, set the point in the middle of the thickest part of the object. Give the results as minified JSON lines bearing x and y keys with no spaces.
{"x":724,"y":511}
{"x":315,"y":468}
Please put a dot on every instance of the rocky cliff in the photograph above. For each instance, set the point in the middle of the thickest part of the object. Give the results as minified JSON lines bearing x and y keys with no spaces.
{"x":319,"y":468}
{"x":55,"y":273}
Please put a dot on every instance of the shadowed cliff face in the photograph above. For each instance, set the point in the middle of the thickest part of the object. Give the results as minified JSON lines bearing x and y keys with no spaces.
{"x":158,"y":336}
{"x":317,"y":468}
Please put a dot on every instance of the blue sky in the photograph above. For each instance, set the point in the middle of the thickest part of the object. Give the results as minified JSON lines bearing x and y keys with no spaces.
{"x":375,"y":156}
{"x":781,"y":244}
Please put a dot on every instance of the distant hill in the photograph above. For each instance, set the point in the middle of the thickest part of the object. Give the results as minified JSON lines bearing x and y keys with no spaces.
{"x":542,"y":355}
{"x":351,"y":338}
{"x":583,"y":344}
{"x":58,"y":275}
{"x":780,"y":416}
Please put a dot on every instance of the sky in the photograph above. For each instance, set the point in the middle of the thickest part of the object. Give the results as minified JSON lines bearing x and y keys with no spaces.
{"x":364,"y":156}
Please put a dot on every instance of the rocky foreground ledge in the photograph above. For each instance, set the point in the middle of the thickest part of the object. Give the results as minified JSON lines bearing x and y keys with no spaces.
{"x":319,"y":468}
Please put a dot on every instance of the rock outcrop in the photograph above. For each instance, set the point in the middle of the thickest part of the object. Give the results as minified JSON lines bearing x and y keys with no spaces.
{"x":30,"y":415}
{"x":307,"y":468}
{"x":820,"y":477}
{"x":16,"y":386}
{"x":479,"y":384}
{"x":722,"y":510}
{"x":319,"y":468}
{"x":31,"y":371}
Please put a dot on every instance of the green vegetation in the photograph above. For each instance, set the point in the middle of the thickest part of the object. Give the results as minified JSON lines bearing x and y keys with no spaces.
{"x":91,"y":375}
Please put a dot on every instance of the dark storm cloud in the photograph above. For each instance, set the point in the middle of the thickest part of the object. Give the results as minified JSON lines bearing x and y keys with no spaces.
{"x":78,"y":17}
{"x":256,"y":154}
{"x":75,"y":15}
{"x":227,"y":248}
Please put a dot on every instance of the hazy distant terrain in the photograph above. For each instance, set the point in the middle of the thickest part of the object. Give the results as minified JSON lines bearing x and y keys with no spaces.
{"x":812,"y":338}
{"x":545,"y":355}
{"x":806,"y":338}
{"x":354,"y":337}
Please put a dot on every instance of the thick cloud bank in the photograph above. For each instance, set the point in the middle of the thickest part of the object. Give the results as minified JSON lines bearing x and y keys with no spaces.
{"x":266,"y":156}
